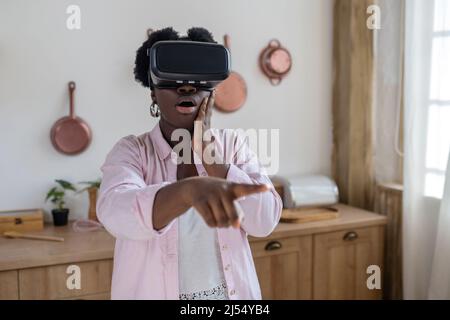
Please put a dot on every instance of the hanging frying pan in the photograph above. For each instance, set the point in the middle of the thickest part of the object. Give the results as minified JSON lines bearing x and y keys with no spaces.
{"x":70,"y":134}
{"x":232,"y":92}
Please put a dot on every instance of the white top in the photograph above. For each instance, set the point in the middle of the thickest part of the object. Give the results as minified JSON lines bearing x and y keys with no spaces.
{"x":199,"y":262}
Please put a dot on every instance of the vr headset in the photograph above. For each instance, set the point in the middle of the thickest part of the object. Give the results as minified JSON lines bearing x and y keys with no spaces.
{"x":177,"y":63}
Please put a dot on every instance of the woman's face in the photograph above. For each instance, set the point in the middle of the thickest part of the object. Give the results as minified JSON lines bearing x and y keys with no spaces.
{"x":179,"y":107}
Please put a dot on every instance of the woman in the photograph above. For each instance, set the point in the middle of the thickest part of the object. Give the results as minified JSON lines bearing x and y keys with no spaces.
{"x":179,"y":234}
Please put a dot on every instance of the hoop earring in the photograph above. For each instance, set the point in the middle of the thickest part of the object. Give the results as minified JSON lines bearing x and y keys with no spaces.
{"x":154,"y":110}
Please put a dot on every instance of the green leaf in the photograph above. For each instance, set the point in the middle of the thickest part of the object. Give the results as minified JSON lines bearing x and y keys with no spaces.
{"x":93,"y":183}
{"x":50,"y":193}
{"x":66,"y":184}
{"x":59,"y":194}
{"x":90,"y":184}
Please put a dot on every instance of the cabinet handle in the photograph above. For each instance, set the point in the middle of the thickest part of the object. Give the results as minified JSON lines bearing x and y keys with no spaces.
{"x":350,"y":236}
{"x":273,"y":245}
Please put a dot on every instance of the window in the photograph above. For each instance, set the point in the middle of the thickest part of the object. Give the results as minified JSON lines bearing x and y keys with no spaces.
{"x":438,"y":133}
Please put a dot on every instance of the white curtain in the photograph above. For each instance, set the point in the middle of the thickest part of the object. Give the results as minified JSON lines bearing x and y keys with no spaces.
{"x":440,"y":272}
{"x":388,"y":58}
{"x":426,"y":225}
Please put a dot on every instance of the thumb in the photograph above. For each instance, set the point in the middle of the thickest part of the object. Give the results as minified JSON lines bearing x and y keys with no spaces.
{"x":244,"y":189}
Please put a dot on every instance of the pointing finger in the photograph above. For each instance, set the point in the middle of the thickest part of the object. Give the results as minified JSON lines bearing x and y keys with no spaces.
{"x":242,"y":189}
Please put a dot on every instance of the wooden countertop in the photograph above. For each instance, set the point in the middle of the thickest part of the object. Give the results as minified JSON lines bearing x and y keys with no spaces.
{"x":349,"y":217}
{"x":77,"y":246}
{"x":97,"y":245}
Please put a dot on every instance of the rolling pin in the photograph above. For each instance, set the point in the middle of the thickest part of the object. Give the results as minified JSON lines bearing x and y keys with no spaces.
{"x":15,"y":234}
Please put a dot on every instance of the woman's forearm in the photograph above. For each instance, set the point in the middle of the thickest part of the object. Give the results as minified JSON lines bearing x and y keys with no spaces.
{"x":212,"y":197}
{"x":170,"y":202}
{"x":174,"y":199}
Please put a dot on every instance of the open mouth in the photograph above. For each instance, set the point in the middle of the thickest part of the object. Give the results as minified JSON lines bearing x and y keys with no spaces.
{"x":186,"y":106}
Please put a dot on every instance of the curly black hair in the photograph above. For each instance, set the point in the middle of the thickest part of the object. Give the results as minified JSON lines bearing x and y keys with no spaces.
{"x":142,"y":62}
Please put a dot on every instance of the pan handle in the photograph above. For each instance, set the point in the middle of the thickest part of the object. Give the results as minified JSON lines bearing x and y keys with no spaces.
{"x":226,"y":41}
{"x":274,"y":43}
{"x":275,"y":81}
{"x":72,"y":87}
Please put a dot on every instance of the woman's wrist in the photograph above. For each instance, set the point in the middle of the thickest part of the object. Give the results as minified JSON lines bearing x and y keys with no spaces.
{"x":188,"y":187}
{"x":173,"y":200}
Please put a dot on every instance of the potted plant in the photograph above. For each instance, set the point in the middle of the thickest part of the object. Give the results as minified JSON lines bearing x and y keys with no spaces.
{"x":92,"y":188}
{"x":56,"y":196}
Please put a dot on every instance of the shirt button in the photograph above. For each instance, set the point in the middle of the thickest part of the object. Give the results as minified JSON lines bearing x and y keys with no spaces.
{"x":224,"y":247}
{"x":204,"y":174}
{"x":232,"y":292}
{"x":227,"y":267}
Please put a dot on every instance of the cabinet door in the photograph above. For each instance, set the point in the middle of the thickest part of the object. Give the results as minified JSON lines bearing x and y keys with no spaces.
{"x":51,"y":282}
{"x":341,"y":260}
{"x":284,"y":267}
{"x":9,"y":285}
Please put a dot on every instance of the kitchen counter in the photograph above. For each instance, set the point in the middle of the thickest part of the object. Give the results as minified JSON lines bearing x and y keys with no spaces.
{"x":77,"y":246}
{"x":99,"y":245}
{"x":349,"y":217}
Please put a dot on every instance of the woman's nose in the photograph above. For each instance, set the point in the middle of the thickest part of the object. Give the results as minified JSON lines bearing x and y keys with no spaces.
{"x":186,"y":89}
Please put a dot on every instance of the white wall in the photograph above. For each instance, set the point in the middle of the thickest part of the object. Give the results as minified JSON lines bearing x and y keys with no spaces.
{"x":39,"y":55}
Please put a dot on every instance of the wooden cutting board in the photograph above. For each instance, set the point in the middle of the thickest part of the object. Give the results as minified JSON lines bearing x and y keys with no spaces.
{"x":302,"y":215}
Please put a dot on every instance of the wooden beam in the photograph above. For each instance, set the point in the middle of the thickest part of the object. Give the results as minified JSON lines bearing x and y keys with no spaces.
{"x":352,"y":103}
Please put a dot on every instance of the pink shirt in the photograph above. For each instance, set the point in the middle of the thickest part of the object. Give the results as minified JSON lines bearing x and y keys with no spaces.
{"x":145,"y":259}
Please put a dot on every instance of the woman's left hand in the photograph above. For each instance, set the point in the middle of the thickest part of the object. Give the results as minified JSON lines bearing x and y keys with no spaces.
{"x":202,"y":124}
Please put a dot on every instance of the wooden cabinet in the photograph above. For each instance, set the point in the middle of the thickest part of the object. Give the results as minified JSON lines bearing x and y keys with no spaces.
{"x":51,"y":282}
{"x":341,"y":260}
{"x":321,"y":260}
{"x":284,"y":267}
{"x":9,"y":288}
{"x":31,"y":269}
{"x":315,"y":260}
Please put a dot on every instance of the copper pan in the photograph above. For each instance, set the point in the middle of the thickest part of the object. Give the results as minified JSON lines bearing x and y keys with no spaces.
{"x":232,"y":92}
{"x":71,"y":134}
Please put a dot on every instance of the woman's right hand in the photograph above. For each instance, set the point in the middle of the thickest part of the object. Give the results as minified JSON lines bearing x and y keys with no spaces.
{"x":214,"y":199}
